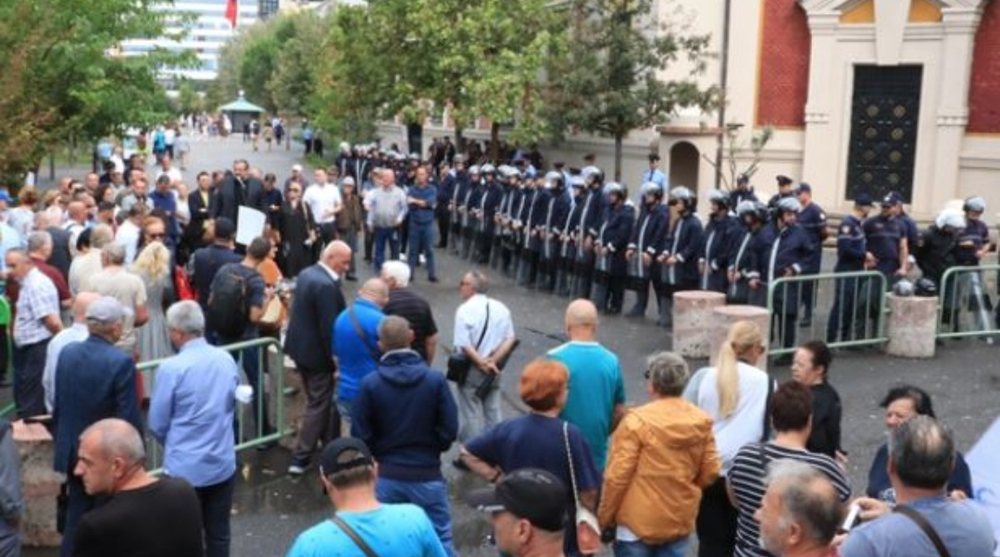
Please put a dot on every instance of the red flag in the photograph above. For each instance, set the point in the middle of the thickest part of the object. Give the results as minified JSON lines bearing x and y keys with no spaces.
{"x":232,"y":9}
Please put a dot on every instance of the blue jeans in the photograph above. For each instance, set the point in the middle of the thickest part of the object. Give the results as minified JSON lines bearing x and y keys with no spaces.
{"x":421,"y":240}
{"x":216,"y":504}
{"x":383,"y":235}
{"x":676,"y":548}
{"x":430,"y":496}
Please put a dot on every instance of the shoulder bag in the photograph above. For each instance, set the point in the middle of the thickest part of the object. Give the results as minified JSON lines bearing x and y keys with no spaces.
{"x":588,"y":530}
{"x":924,"y":525}
{"x":361,"y":334}
{"x":346,"y":528}
{"x":459,"y":364}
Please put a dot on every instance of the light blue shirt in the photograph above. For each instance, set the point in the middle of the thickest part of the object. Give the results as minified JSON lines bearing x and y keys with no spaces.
{"x":75,"y":333}
{"x":9,"y":239}
{"x":595,"y":387}
{"x":191,"y":413}
{"x":656,"y":176}
{"x":401,"y":530}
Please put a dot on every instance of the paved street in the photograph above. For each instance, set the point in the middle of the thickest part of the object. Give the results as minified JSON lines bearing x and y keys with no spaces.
{"x":271,"y":508}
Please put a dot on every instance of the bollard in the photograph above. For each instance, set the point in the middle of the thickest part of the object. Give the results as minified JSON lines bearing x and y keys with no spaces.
{"x":693,"y":321}
{"x":39,"y":484}
{"x":912,"y":326}
{"x":723,"y":317}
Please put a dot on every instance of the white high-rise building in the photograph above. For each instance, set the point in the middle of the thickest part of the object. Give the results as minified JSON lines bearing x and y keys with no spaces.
{"x":204,"y":36}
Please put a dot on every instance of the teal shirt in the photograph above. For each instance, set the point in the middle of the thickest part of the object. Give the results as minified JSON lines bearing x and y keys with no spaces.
{"x":391,"y":530}
{"x":595,"y":387}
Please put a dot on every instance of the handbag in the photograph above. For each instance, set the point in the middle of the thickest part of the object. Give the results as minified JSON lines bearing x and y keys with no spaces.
{"x":346,"y":528}
{"x":588,"y":530}
{"x":182,"y":284}
{"x":924,"y":525}
{"x":273,"y":316}
{"x":458,"y":364}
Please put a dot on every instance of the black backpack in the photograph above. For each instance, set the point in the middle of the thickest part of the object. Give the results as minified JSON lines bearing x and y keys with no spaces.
{"x":228,"y":314}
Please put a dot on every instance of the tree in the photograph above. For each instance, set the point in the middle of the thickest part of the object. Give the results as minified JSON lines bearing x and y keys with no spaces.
{"x":63,"y":79}
{"x":608,"y":80}
{"x":292,"y":86}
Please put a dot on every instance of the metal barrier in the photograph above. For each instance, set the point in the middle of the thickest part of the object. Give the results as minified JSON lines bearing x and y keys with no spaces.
{"x":845,"y":309}
{"x":964,"y":305}
{"x":258,"y":436}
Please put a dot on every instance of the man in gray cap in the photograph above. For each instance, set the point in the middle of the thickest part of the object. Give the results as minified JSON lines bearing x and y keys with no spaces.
{"x":94,"y":380}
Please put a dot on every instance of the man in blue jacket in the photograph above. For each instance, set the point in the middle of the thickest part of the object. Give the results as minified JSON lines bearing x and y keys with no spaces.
{"x":422,"y":200}
{"x":406,"y":414}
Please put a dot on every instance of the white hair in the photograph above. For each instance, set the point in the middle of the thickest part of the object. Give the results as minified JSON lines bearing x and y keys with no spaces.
{"x":397,"y":271}
{"x":186,"y":316}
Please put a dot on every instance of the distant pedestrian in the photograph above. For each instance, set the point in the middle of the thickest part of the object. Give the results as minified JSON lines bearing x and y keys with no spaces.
{"x":406,"y":303}
{"x":355,"y":341}
{"x":349,"y":475}
{"x":386,"y":207}
{"x":422,"y":200}
{"x":142,"y":515}
{"x":596,"y":400}
{"x":191,"y":415}
{"x":309,"y":343}
{"x":405,"y":412}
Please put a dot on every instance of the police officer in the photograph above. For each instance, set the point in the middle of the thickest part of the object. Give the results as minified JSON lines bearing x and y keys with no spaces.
{"x":500,"y":254}
{"x":532,"y":219}
{"x":812,"y":219}
{"x":519,"y":209}
{"x":937,"y":252}
{"x":743,"y":192}
{"x":476,"y":201}
{"x":590,"y":221}
{"x":888,"y":251}
{"x":910,"y":230}
{"x":973,"y":245}
{"x":784,"y":190}
{"x":471,"y":199}
{"x":492,"y":195}
{"x":720,"y":236}
{"x":446,"y":194}
{"x":790,"y":252}
{"x":752,"y":247}
{"x":460,"y":185}
{"x":569,"y":236}
{"x":641,"y":252}
{"x":653,"y":173}
{"x":610,"y":245}
{"x":851,"y":249}
{"x":556,"y":213}
{"x":678,"y":252}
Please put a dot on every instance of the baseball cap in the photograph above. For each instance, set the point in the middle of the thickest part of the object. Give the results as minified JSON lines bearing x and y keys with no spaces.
{"x":532,"y":494}
{"x":107,"y":310}
{"x":863,"y":200}
{"x":891,"y":198}
{"x":331,"y":453}
{"x":804,"y":188}
{"x":224,"y":228}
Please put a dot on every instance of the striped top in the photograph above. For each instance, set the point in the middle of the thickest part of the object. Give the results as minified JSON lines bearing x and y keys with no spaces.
{"x":746,"y":479}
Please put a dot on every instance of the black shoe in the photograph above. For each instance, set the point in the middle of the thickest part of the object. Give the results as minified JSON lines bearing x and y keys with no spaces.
{"x":432,"y":279}
{"x":458,"y":463}
{"x":805,"y":323}
{"x":352,"y":278}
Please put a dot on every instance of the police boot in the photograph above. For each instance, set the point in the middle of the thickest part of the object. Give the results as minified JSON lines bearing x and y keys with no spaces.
{"x":666,"y":307}
{"x":641,"y":301}
{"x":562,"y":282}
{"x":600,"y":298}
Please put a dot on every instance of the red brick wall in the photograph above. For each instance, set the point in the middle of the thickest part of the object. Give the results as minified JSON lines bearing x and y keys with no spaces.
{"x":984,"y":90}
{"x":784,"y":65}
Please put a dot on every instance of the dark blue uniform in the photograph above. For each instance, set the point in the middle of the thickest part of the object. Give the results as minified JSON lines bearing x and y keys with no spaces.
{"x":812,"y":219}
{"x":883,"y":235}
{"x":683,"y":241}
{"x":973,"y":237}
{"x":590,"y":223}
{"x":445,"y":193}
{"x":532,"y":217}
{"x":458,"y":193}
{"x":473,"y":227}
{"x":567,"y":251}
{"x":488,"y":208}
{"x":738,"y":196}
{"x":720,"y":237}
{"x":851,"y":249}
{"x":789,"y":253}
{"x":613,"y":236}
{"x":647,"y":234}
{"x":556,"y":213}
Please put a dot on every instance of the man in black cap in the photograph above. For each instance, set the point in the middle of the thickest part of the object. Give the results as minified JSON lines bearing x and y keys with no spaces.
{"x":743,"y":191}
{"x":528,"y":512}
{"x":851,"y":248}
{"x":348,"y":473}
{"x":812,"y":219}
{"x":784,"y":190}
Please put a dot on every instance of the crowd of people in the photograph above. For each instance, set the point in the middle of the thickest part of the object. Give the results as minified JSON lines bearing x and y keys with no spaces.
{"x":104,"y":274}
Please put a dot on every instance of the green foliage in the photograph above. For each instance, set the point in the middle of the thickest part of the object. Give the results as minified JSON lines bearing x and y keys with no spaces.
{"x":607,"y":81}
{"x":62,"y":78}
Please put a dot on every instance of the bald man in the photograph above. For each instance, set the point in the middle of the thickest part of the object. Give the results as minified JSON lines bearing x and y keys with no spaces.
{"x":77,"y":332}
{"x":596,"y":400}
{"x":355,"y":340}
{"x":309,"y":343}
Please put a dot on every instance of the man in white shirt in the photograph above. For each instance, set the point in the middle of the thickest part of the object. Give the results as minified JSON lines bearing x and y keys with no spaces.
{"x":128,"y":232}
{"x":484,"y":333}
{"x":77,"y":332}
{"x":86,"y":264}
{"x":323,"y":199}
{"x":167,"y":168}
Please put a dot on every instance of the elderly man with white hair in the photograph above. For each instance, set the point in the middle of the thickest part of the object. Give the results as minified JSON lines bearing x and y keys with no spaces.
{"x":406,"y":303}
{"x":191,"y":414}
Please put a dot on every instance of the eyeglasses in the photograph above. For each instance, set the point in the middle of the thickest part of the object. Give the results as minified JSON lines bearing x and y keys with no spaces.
{"x":157,"y":235}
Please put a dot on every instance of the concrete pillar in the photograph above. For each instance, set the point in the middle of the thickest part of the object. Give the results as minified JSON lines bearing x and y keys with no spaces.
{"x":693,"y":321}
{"x":39,"y":484}
{"x":724,"y":317}
{"x":912,"y":326}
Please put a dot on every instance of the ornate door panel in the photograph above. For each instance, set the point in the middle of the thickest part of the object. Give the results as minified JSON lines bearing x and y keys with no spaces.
{"x":883,"y":145}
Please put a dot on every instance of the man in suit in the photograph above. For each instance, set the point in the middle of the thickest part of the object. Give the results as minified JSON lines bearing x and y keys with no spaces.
{"x":94,"y":381}
{"x":238,"y":189}
{"x":318,"y":301}
{"x":201,"y":203}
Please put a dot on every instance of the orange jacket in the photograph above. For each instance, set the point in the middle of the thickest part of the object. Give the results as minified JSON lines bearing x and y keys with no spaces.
{"x":662,"y":455}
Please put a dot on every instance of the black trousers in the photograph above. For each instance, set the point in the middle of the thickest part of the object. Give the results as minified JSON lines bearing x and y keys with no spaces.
{"x":444,"y":227}
{"x":321,"y":423}
{"x":216,"y":505}
{"x":29,"y":363}
{"x":716,"y":524}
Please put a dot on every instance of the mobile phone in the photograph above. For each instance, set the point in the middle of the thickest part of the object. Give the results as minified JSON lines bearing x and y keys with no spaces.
{"x":853,"y":517}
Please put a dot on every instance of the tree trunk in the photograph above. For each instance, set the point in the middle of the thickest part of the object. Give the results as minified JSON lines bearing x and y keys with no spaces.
{"x":495,"y":142}
{"x":618,"y":157}
{"x":459,"y":140}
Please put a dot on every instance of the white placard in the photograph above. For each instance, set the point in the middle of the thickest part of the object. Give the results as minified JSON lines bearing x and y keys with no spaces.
{"x":249,"y":225}
{"x":982,"y":460}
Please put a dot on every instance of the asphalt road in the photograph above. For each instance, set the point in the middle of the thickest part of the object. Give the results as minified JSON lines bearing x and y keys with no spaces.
{"x":271,"y":509}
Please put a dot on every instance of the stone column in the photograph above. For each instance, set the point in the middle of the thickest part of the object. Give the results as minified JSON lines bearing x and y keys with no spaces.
{"x":725,"y":316}
{"x":39,"y":484}
{"x":693,"y":321}
{"x":912,"y":326}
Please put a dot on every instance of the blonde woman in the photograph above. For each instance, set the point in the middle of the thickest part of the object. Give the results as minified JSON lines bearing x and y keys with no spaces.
{"x":153,"y":266}
{"x":735,"y":394}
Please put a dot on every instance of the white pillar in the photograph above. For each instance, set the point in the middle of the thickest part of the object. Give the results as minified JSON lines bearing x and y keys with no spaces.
{"x":822,"y":149}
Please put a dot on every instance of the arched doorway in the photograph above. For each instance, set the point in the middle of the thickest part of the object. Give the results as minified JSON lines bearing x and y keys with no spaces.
{"x":684,"y":162}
